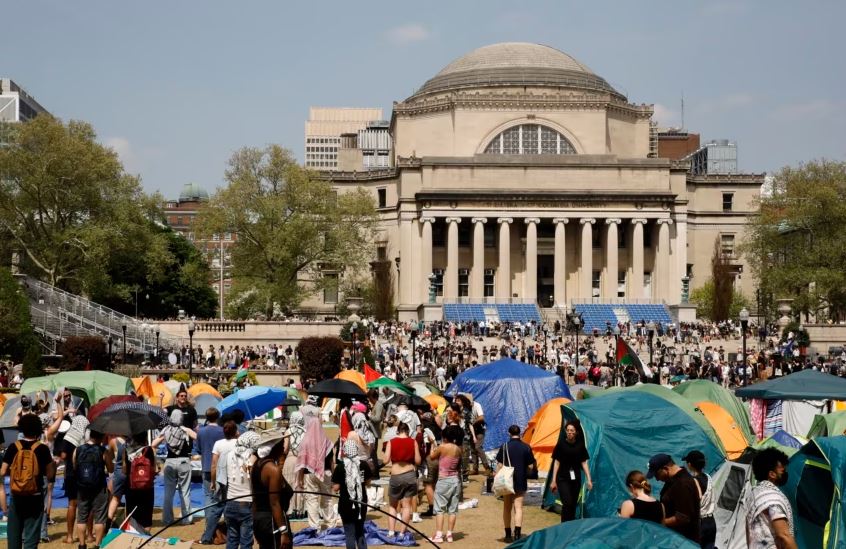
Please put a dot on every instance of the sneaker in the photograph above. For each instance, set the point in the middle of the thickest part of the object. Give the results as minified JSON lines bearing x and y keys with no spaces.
{"x":439,"y":538}
{"x":416,"y":518}
{"x":391,"y":533}
{"x":449,"y":537}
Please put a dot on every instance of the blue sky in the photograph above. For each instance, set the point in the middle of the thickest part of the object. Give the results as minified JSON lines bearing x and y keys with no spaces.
{"x":176,"y":87}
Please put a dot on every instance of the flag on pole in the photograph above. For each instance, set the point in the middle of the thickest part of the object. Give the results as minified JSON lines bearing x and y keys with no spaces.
{"x":242,"y":371}
{"x":626,"y":356}
{"x":370,"y":374}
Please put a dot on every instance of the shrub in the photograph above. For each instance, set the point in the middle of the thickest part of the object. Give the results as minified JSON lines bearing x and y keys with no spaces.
{"x":320,"y":357}
{"x":78,"y":353}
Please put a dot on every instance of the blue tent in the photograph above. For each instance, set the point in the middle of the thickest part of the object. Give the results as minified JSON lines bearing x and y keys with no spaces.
{"x":605,"y":533}
{"x":510,"y":392}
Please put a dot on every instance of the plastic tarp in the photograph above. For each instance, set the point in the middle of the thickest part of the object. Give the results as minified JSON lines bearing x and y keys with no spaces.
{"x":782,"y":440}
{"x":804,"y":385}
{"x":95,"y":384}
{"x":703,"y":389}
{"x":817,"y":494}
{"x":826,"y":425}
{"x":510,"y":392}
{"x":595,"y":533}
{"x":622,"y":431}
{"x":334,"y":537}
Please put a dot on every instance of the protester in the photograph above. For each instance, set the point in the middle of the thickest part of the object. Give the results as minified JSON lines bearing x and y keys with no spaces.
{"x":769,"y":521}
{"x":31,"y":470}
{"x":139,"y":466}
{"x":238,"y":511}
{"x":348,"y":480}
{"x":293,"y":439}
{"x":448,"y":487}
{"x":220,"y":455}
{"x":74,"y":437}
{"x":641,"y":505}
{"x":189,"y":413}
{"x":695,"y":461}
{"x":92,"y":465}
{"x":403,"y":454}
{"x":432,"y":436}
{"x":517,"y":454}
{"x":271,"y":494}
{"x":569,"y":459}
{"x":177,"y":469}
{"x":680,"y":496}
{"x":117,"y":446}
{"x":207,"y":436}
{"x":314,"y":469}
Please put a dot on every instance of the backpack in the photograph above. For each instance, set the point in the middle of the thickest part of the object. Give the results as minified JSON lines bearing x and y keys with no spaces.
{"x":142,"y":471}
{"x":25,"y":471}
{"x":90,"y":467}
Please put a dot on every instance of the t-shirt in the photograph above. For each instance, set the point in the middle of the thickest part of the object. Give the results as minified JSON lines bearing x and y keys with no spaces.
{"x":570,"y":457}
{"x":520,"y":457}
{"x":42,"y":454}
{"x":345,"y":505}
{"x":206,"y":437}
{"x":222,"y":448}
{"x":189,"y":415}
{"x":680,"y":497}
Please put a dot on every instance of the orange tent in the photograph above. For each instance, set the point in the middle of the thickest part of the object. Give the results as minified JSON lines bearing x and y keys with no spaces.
{"x":542,"y":432}
{"x":726,"y":428}
{"x":355,"y":376}
{"x":158,"y":389}
{"x":203,"y":389}
{"x":438,"y":402}
{"x":143,"y":386}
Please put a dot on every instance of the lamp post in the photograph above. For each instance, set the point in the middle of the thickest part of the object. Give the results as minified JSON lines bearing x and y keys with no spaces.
{"x":650,"y":332}
{"x":124,"y":343}
{"x":744,"y":324}
{"x":111,"y":340}
{"x":192,"y":327}
{"x":413,"y":349}
{"x":354,"y":329}
{"x":158,"y":331}
{"x":545,"y":349}
{"x":577,"y":325}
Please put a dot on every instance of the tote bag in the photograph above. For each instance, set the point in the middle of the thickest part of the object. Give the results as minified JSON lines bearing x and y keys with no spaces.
{"x":503,"y":483}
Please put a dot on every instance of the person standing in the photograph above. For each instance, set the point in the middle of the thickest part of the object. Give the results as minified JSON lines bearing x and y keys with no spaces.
{"x":293,"y":438}
{"x":271,"y":494}
{"x":769,"y":521}
{"x":448,"y":487}
{"x":403,"y":453}
{"x":220,"y":456}
{"x":517,"y":454}
{"x":695,"y":461}
{"x":680,"y":496}
{"x":117,"y":446}
{"x":314,"y":468}
{"x":189,"y":413}
{"x":92,"y":465}
{"x":238,"y":511}
{"x":30,"y":466}
{"x":641,"y":505}
{"x":207,"y":436}
{"x":177,"y":469}
{"x":348,"y":480}
{"x":569,"y":460}
{"x":74,"y":437}
{"x":139,"y":466}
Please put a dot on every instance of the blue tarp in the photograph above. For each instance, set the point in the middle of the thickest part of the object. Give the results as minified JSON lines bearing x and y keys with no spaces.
{"x":605,"y":533}
{"x":334,"y":537}
{"x":510,"y":392}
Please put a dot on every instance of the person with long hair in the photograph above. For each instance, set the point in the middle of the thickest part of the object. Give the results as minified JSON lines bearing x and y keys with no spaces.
{"x":403,"y":453}
{"x":348,"y":480}
{"x":293,"y":439}
{"x":139,"y":501}
{"x":641,"y":505}
{"x":447,"y":456}
{"x":517,"y":454}
{"x":314,"y":467}
{"x":271,"y":494}
{"x":569,"y":459}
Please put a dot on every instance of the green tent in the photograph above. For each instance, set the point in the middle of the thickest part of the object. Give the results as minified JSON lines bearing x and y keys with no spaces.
{"x":608,"y":533}
{"x":623,"y":429}
{"x":390,"y":384}
{"x":703,"y":389}
{"x":816,"y":488}
{"x":828,"y":425}
{"x":94,"y":384}
{"x":802,"y":385}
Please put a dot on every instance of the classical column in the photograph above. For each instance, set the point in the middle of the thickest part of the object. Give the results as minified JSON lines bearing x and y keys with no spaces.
{"x":477,"y":274}
{"x":663,"y":259}
{"x":679,"y":257}
{"x":560,"y":261}
{"x":611,"y":257}
{"x":426,"y":257}
{"x":451,"y":273}
{"x":586,"y":275}
{"x":503,"y":274}
{"x":406,"y":249}
{"x":530,"y":281}
{"x":636,"y":283}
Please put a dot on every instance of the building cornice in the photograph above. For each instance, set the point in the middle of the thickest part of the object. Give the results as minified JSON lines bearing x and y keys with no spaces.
{"x":535,"y":160}
{"x":664,"y":197}
{"x":751,"y":179}
{"x":365,"y":175}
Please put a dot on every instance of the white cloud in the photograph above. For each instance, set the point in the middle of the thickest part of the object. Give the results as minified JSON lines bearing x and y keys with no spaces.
{"x":407,"y":34}
{"x":665,"y":116}
{"x":124,"y":151}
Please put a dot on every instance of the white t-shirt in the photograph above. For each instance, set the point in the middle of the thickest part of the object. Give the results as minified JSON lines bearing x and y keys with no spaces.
{"x":238,"y":481}
{"x":222,"y":448}
{"x":477,"y":411}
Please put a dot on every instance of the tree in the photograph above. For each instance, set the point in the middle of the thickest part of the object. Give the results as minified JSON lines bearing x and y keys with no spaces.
{"x":85,"y":353}
{"x":797,"y":245}
{"x":703,"y":298}
{"x":291,"y":225}
{"x":17,"y":339}
{"x":320,"y":357}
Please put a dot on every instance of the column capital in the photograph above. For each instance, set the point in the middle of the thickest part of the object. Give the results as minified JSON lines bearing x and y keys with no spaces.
{"x":662,"y":221}
{"x":505,"y":220}
{"x":613,"y":221}
{"x":479,"y":220}
{"x":427,"y":220}
{"x":534,"y":220}
{"x":590,"y":220}
{"x":639,"y":220}
{"x":453,"y":220}
{"x":557,"y":220}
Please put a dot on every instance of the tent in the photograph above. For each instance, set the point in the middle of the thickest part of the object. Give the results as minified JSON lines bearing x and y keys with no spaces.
{"x":828,"y":425}
{"x":702,"y":389}
{"x":543,"y":430}
{"x":598,"y":533}
{"x":510,"y":392}
{"x":816,"y":488}
{"x":804,"y":385}
{"x":731,"y":436}
{"x":623,"y":429}
{"x":731,"y":485}
{"x":94,"y":384}
{"x":354,"y":376}
{"x":782,"y":440}
{"x":161,"y":394}
{"x":198,"y":389}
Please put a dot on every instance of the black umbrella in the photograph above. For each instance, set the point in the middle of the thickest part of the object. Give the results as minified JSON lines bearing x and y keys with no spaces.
{"x":413,"y":402}
{"x":337,"y":388}
{"x":291,"y":401}
{"x":127,"y":421}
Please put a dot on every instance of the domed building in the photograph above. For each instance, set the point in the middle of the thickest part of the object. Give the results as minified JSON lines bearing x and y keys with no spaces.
{"x":522,"y":176}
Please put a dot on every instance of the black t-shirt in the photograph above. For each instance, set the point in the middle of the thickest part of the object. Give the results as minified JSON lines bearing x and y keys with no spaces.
{"x":189,"y":415}
{"x":680,"y":497}
{"x":345,"y":505}
{"x":570,"y":457}
{"x":34,"y":503}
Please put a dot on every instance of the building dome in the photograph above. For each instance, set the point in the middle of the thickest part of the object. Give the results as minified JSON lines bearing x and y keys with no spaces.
{"x":516,"y":64}
{"x":191,"y":192}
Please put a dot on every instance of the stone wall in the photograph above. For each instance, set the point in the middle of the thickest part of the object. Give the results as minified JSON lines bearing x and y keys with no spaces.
{"x":245,"y":333}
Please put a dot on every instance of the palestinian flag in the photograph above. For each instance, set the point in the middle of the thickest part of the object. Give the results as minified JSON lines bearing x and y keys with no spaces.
{"x":242,"y":371}
{"x":370,"y":374}
{"x":626,"y":356}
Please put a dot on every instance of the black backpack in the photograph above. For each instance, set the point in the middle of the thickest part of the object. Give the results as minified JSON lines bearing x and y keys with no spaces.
{"x":90,"y":468}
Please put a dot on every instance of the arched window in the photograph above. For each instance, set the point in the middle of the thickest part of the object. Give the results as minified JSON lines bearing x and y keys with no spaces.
{"x":530,"y":139}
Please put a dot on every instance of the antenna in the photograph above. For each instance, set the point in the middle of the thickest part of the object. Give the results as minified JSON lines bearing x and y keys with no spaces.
{"x":682,"y":110}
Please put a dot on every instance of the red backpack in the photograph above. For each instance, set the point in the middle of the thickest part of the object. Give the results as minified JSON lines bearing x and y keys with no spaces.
{"x":142,"y":471}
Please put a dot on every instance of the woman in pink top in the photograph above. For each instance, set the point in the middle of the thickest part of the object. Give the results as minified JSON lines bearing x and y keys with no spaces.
{"x":448,"y":488}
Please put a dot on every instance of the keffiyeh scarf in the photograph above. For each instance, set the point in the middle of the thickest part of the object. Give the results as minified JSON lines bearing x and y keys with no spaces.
{"x":352,"y":471}
{"x":295,"y":432}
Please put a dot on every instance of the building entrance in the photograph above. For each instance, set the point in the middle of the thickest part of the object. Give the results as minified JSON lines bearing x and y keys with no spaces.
{"x":546,"y":280}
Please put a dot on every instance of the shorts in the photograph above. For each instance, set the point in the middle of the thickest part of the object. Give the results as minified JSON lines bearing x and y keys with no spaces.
{"x":431,"y":477}
{"x":70,"y":488}
{"x":403,"y":485}
{"x":447,"y":492}
{"x":96,"y":505}
{"x":119,"y":485}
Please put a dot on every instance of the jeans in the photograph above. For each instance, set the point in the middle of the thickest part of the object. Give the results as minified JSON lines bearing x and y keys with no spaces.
{"x":212,"y":513}
{"x":354,"y":532}
{"x":45,"y":517}
{"x":24,"y":523}
{"x":177,"y":473}
{"x":239,"y":524}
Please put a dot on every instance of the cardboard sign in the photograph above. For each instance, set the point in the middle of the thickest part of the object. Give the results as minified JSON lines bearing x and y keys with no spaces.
{"x":126,"y":540}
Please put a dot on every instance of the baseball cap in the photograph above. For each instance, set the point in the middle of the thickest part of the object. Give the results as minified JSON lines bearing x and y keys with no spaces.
{"x":656,"y":462}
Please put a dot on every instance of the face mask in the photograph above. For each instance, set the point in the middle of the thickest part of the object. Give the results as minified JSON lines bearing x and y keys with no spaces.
{"x":782,"y":480}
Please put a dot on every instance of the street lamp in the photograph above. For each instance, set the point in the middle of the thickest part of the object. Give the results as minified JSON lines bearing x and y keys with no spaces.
{"x":413,"y":349}
{"x":158,"y":331}
{"x":192,"y":327}
{"x":124,"y":343}
{"x":577,"y":325}
{"x":354,"y":329}
{"x":650,"y":331}
{"x":744,"y":323}
{"x":111,"y":340}
{"x":545,"y":351}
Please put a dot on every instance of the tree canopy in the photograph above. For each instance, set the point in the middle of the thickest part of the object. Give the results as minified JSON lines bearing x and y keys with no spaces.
{"x":17,"y":340}
{"x":291,"y":226}
{"x":797,"y":246}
